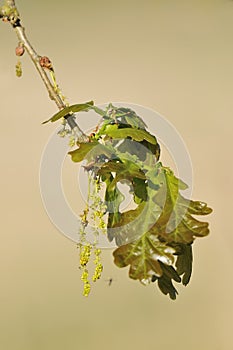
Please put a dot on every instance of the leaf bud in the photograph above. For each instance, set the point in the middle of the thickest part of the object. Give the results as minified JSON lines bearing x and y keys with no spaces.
{"x":19,"y":50}
{"x":45,"y":62}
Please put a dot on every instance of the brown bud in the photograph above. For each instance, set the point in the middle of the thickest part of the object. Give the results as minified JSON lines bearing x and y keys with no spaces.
{"x":19,"y":50}
{"x":45,"y":63}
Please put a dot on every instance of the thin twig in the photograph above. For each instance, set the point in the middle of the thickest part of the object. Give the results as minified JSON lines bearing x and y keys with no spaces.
{"x":20,"y":31}
{"x":10,"y":13}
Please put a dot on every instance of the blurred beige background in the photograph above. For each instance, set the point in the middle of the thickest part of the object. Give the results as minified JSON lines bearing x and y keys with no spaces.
{"x":173,"y":56}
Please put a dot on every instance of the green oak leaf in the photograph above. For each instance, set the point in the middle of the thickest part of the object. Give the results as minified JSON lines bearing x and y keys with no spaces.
{"x":113,"y":200}
{"x":93,"y":151}
{"x":124,"y":117}
{"x":70,"y":110}
{"x":165,"y":281}
{"x":81,"y":152}
{"x":142,"y":150}
{"x":134,"y":223}
{"x":128,"y":117}
{"x":139,"y":190}
{"x":129,"y":225}
{"x":176,"y":223}
{"x":136,"y":134}
{"x":144,"y":256}
{"x":125,"y":170}
{"x":184,"y":263}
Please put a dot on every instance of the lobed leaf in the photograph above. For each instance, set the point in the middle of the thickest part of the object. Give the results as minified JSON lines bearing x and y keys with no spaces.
{"x":176,"y":223}
{"x":128,"y":117}
{"x":165,"y":281}
{"x":136,"y":134}
{"x":143,"y":256}
{"x":184,"y":263}
{"x":70,"y":110}
{"x":79,"y":154}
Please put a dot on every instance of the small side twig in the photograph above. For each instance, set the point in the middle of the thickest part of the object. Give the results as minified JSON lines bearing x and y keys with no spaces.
{"x":9,"y":13}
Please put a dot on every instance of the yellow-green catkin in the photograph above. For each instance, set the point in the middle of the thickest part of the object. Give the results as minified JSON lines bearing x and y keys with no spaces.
{"x":84,"y":257}
{"x":98,"y":265}
{"x":97,"y":208}
{"x":72,"y":141}
{"x":18,"y":69}
{"x":84,"y":249}
{"x":85,"y":253}
{"x":86,"y":289}
{"x":86,"y":283}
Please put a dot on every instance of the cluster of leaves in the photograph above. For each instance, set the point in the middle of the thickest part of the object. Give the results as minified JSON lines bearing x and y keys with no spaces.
{"x":155,"y":238}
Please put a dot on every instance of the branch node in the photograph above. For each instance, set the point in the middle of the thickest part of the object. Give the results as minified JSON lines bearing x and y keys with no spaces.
{"x":45,"y":62}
